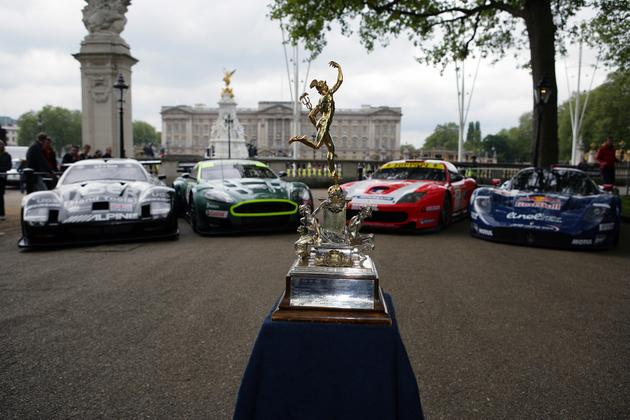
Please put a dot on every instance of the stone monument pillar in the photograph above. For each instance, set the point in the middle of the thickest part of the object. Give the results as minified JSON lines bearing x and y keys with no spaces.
{"x":226,"y":144}
{"x":104,"y":55}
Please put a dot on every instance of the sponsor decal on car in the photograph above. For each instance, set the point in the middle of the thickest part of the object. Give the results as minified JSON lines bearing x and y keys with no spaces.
{"x":434,"y":208}
{"x":360,"y":201}
{"x":481,"y":231}
{"x":359,"y":206}
{"x":537,"y":217}
{"x":486,"y":232}
{"x":100,"y":217}
{"x":531,"y":225}
{"x":582,"y":242}
{"x":427,"y":221}
{"x":413,"y":165}
{"x":539,"y":201}
{"x":92,"y":199}
{"x":474,"y":215}
{"x":374,"y":197}
{"x":222,"y":214}
{"x":599,"y":239}
{"x":124,"y":207}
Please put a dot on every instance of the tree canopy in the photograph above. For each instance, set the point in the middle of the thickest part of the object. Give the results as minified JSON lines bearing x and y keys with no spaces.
{"x":144,"y":133}
{"x":445,"y":31}
{"x":61,"y":124}
{"x":606,"y":114}
{"x":473,"y":137}
{"x":445,"y":136}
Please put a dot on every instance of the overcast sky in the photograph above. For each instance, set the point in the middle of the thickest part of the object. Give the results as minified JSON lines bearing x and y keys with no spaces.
{"x":183,"y":47}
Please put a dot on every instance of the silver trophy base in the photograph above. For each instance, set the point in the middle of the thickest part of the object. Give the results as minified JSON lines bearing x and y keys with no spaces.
{"x":346,"y":294}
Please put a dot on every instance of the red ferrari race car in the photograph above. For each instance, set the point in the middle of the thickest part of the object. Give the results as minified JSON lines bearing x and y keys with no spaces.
{"x":411,"y":194}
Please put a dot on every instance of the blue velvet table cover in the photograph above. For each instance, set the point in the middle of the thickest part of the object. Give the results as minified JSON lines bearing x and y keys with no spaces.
{"x":328,"y":371}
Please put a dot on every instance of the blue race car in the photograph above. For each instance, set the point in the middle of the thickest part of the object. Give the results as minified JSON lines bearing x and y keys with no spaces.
{"x":559,"y":207}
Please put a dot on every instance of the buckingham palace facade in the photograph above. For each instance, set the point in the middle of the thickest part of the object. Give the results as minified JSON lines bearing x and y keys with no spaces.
{"x":362,"y":133}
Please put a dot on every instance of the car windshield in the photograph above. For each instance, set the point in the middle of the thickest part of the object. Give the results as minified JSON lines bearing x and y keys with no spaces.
{"x":104,"y":171}
{"x":236,"y":171}
{"x":407,"y":170}
{"x":556,"y":181}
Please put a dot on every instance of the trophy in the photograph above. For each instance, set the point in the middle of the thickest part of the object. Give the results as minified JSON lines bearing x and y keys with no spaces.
{"x":333,"y":279}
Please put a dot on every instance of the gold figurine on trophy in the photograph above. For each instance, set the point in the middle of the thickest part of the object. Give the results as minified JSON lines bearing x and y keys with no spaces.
{"x":325,"y":107}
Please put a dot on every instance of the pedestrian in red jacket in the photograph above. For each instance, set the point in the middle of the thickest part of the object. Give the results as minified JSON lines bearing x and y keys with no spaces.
{"x":606,"y":158}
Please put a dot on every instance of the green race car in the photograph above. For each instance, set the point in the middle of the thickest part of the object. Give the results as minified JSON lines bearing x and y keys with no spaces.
{"x":220,"y":196}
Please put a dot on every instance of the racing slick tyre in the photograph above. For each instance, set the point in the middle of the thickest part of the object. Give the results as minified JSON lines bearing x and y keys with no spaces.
{"x":180,"y":207}
{"x":446,"y":214}
{"x":192,"y":214}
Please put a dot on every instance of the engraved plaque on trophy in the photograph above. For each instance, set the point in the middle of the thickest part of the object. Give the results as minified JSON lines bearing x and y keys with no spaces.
{"x":333,"y":294}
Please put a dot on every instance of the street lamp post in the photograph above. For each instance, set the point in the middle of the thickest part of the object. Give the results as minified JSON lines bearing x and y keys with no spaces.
{"x":228,"y":122}
{"x":121,"y":86}
{"x":542,"y":93}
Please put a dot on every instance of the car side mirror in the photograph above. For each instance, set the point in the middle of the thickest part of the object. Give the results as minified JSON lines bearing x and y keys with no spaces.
{"x":608,"y":187}
{"x":496,"y":182}
{"x":282,"y":174}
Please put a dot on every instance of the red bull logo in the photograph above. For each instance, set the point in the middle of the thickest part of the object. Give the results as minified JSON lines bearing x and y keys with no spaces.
{"x":539,"y":202}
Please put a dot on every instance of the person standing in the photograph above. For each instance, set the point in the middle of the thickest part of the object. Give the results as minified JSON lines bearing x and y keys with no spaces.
{"x":50,"y":155}
{"x":108,"y":153}
{"x":36,"y":161}
{"x":85,"y":154}
{"x":606,"y":158}
{"x":5,"y":165}
{"x":472,"y":171}
{"x":72,"y":156}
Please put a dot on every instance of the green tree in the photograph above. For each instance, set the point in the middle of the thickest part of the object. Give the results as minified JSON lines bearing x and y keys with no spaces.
{"x":473,"y":137}
{"x":606,"y":114}
{"x":445,"y":136}
{"x":61,"y":124}
{"x":144,"y":133}
{"x":611,"y":28}
{"x":447,"y":31}
{"x":512,"y":145}
{"x":500,"y":144}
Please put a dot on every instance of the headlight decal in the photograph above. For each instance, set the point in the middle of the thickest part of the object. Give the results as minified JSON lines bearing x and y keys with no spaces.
{"x":411,"y":197}
{"x":215,"y":195}
{"x":483,"y":204}
{"x":160,"y":208}
{"x":596,"y":213}
{"x":33,"y":214}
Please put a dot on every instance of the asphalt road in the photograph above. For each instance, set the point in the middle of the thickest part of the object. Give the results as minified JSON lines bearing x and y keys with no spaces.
{"x":164,"y":329}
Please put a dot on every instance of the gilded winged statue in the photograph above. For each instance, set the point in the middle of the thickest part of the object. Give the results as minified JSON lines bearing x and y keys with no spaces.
{"x":227,"y":77}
